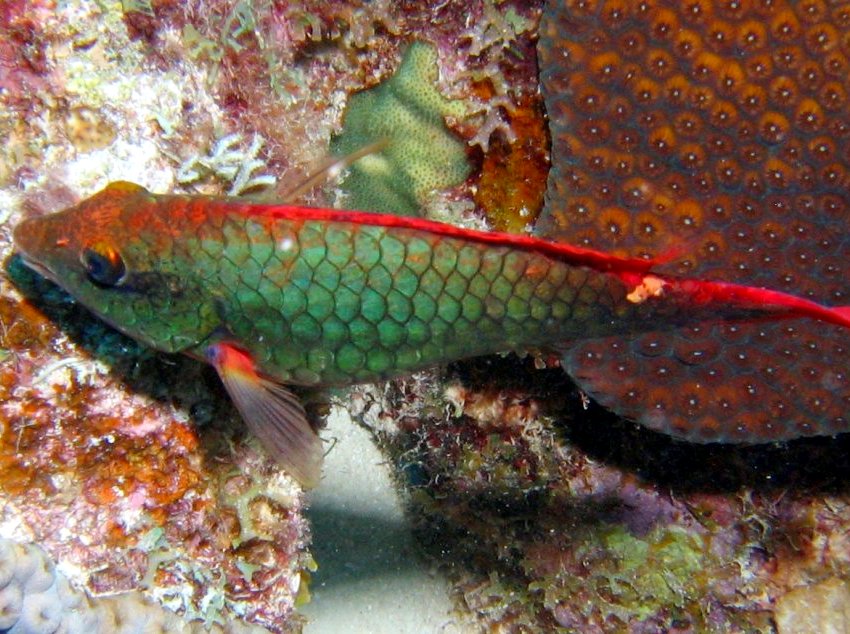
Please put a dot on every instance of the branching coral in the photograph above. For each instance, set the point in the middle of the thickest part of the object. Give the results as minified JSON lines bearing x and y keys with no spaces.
{"x":230,"y":164}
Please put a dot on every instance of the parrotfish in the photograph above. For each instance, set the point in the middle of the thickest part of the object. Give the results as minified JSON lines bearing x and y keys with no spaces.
{"x":274,"y":296}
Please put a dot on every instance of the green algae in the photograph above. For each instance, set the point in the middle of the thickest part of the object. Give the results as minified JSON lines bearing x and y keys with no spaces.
{"x":421,"y":154}
{"x":137,"y":6}
{"x":656,"y":571}
{"x":635,"y":577}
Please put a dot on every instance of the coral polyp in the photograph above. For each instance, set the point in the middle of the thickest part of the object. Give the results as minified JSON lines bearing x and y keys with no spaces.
{"x":710,"y":136}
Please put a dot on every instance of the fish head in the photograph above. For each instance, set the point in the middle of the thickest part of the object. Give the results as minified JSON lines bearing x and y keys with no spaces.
{"x":111,"y":254}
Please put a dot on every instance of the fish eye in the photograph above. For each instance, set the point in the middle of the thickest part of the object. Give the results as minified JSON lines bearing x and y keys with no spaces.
{"x":104,"y":265}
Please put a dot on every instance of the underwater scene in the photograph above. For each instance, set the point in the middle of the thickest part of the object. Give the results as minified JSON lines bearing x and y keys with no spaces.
{"x":425,"y":316}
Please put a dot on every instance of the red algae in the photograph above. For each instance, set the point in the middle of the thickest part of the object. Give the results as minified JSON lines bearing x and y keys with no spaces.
{"x":93,"y":479}
{"x":22,"y":53}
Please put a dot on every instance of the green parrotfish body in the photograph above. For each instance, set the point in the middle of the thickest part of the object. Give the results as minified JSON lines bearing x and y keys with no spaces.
{"x":277,"y":295}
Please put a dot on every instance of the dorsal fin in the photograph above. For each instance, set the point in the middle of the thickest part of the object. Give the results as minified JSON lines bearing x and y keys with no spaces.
{"x":124,"y":187}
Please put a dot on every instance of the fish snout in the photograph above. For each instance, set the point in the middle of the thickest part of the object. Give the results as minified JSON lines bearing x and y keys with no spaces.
{"x":34,"y":245}
{"x":39,"y":237}
{"x":28,"y":236}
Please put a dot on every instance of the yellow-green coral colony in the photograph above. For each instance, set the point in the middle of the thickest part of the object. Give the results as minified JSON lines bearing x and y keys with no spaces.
{"x":421,"y":154}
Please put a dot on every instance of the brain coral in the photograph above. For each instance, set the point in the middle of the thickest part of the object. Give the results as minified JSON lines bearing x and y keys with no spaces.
{"x":37,"y":599}
{"x":421,"y":154}
{"x":718,"y":132}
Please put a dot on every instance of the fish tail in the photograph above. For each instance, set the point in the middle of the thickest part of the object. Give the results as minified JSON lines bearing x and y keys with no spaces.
{"x":760,"y":302}
{"x":843,"y":313}
{"x":783,"y":303}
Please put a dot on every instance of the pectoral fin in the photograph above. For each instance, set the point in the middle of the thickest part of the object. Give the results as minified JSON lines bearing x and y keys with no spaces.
{"x":272,"y":412}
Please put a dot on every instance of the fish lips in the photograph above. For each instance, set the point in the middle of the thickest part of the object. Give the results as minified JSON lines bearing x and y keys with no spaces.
{"x":38,"y":267}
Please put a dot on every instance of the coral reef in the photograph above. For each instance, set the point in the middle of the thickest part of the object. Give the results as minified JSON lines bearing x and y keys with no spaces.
{"x":560,"y":515}
{"x":550,"y":513}
{"x":131,"y":470}
{"x":671,"y":122}
{"x":113,"y":483}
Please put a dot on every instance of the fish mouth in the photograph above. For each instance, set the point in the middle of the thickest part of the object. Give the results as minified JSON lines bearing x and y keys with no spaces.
{"x":38,"y":267}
